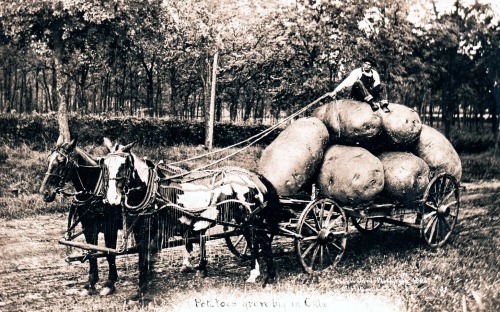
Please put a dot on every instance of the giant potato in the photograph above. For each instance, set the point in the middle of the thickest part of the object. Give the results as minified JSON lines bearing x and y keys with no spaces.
{"x":406,"y":176}
{"x":435,"y":149}
{"x":401,"y":125}
{"x":349,"y":121}
{"x":350,"y":174}
{"x":291,"y":160}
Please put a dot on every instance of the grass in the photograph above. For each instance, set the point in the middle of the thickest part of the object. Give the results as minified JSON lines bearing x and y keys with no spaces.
{"x":482,"y":166}
{"x":20,"y":178}
{"x":390,"y":270}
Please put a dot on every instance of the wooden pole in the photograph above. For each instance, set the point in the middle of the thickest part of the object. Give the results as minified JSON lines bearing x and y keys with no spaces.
{"x":209,"y":118}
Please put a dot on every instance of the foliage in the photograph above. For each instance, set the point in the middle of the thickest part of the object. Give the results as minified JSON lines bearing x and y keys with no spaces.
{"x":468,"y":141}
{"x":154,"y":57}
{"x":40,"y":131}
{"x":481,"y":166}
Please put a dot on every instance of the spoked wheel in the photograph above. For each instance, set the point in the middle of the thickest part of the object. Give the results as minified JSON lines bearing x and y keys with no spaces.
{"x":440,"y":210}
{"x":234,"y":213}
{"x":323,"y":227}
{"x":237,"y":243}
{"x":366,"y":225}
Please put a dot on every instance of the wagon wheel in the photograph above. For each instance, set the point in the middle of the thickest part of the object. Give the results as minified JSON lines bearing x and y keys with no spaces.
{"x":236,"y":213}
{"x":440,"y":210}
{"x":367,"y":225}
{"x":323,"y":227}
{"x":237,"y":243}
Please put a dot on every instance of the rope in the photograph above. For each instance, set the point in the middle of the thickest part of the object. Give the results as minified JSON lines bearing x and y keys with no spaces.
{"x":254,"y":139}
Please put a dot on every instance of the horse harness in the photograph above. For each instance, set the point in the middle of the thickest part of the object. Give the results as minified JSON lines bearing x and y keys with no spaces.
{"x":89,"y":198}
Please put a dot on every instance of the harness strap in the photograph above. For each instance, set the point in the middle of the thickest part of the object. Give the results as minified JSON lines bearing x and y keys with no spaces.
{"x":149,"y":197}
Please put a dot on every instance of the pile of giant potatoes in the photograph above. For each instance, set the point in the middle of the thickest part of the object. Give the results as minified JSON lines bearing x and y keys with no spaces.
{"x":356,"y":156}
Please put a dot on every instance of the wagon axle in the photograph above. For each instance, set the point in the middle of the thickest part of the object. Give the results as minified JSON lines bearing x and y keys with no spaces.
{"x":325,"y":236}
{"x":444,"y":210}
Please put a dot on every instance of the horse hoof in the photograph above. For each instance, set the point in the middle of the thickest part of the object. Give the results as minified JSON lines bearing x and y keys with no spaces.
{"x":140,"y":298}
{"x":136,"y":298}
{"x":269,"y":281}
{"x":201,"y":273}
{"x":186,"y":269}
{"x":253,"y":276}
{"x":88,"y":292}
{"x":106,"y":291}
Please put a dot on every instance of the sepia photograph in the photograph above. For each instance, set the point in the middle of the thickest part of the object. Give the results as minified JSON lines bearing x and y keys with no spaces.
{"x":250,"y":155}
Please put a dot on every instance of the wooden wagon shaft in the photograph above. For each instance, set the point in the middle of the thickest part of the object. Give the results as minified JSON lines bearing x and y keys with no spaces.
{"x":104,"y":251}
{"x":292,"y":201}
{"x":83,"y":258}
{"x":85,"y":246}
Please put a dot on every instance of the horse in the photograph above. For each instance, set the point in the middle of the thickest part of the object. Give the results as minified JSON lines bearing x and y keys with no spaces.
{"x":66,"y":163}
{"x":234,"y":195}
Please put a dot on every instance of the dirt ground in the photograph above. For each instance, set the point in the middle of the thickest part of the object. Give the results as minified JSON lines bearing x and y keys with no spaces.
{"x":35,"y":277}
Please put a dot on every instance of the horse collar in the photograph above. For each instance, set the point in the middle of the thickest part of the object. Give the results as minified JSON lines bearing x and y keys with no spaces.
{"x":149,"y":197}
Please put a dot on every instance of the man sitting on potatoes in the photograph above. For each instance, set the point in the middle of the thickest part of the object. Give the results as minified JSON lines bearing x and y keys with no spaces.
{"x":365,"y":83}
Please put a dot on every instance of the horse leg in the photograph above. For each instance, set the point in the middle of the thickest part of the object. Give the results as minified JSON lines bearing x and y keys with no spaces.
{"x":147,"y":245}
{"x":153,"y":253}
{"x":90,"y":234}
{"x":254,"y":252}
{"x":187,"y":267}
{"x":202,"y":265}
{"x":142,"y":250}
{"x":110,"y":238}
{"x":268,"y":254}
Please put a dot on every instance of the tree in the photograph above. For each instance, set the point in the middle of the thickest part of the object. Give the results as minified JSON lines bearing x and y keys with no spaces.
{"x":62,"y":27}
{"x":459,"y":47}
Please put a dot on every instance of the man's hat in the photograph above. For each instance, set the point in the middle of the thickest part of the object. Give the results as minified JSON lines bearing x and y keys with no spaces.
{"x":370,"y":60}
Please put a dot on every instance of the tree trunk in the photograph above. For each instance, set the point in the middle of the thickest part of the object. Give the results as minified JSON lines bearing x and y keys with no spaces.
{"x":209,"y":117}
{"x":495,"y":110}
{"x":60,"y":81}
{"x":13,"y":103}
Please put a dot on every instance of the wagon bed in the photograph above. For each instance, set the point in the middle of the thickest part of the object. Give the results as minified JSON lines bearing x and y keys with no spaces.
{"x":320,"y":228}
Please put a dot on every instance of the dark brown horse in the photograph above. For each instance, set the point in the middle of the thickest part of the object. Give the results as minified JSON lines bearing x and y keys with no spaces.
{"x":68,"y":163}
{"x":232,"y":196}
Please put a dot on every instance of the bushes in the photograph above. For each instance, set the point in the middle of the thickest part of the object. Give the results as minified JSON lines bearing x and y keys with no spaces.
{"x":472,"y":142}
{"x":41,"y":131}
{"x":481,"y":166}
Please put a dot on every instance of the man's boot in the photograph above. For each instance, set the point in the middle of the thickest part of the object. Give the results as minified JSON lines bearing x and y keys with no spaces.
{"x":384,"y":105}
{"x":373,"y":106}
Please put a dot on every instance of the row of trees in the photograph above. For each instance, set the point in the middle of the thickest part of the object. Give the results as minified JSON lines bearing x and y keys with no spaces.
{"x":155,"y":57}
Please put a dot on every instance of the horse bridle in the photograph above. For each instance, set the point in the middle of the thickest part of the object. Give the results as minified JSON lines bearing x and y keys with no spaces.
{"x":68,"y":166}
{"x":129,"y":171}
{"x":150,"y":186}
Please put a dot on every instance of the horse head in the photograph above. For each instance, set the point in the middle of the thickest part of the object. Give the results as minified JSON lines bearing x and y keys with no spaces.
{"x":124,"y":170}
{"x":61,"y":163}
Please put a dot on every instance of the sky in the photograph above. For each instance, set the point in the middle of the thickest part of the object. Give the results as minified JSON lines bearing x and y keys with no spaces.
{"x":418,"y":10}
{"x":447,"y":4}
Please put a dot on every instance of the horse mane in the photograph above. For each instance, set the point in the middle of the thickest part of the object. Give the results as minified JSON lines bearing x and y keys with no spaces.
{"x":141,"y":167}
{"x":84,"y":158}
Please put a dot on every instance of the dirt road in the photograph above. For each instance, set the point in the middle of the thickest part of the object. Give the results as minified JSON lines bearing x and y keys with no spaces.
{"x":35,"y":277}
